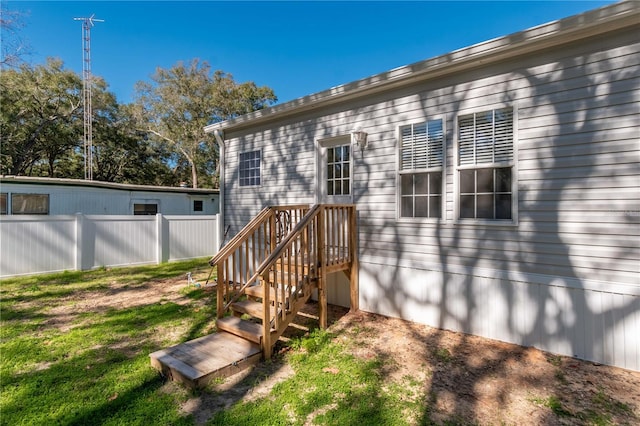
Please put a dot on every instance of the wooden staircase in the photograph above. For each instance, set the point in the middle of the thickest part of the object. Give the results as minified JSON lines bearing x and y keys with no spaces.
{"x":266,"y":274}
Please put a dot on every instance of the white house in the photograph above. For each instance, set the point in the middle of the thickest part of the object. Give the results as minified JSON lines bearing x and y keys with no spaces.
{"x":52,"y":196}
{"x":498,"y":187}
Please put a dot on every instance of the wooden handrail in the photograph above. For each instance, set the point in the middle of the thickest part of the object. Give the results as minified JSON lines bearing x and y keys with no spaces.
{"x":269,"y":261}
{"x":235,"y":242}
{"x":239,"y":259}
{"x":276,"y":253}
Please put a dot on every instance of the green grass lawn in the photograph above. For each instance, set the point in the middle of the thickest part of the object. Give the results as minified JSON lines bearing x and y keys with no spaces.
{"x":62,"y":363}
{"x":77,"y":367}
{"x":71,"y":353}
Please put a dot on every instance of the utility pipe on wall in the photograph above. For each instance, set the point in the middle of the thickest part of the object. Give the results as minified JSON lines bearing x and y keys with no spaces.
{"x":219,"y":135}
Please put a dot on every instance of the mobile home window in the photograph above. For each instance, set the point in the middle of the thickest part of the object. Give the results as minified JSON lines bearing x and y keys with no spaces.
{"x":3,"y":203}
{"x":421,"y":165}
{"x":145,"y":209}
{"x":486,"y":165}
{"x":29,"y":203}
{"x":249,"y":168}
{"x":198,"y":206}
{"x":339,"y":170}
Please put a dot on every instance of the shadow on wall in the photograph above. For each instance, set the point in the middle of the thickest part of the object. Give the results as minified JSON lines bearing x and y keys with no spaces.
{"x":526,"y":284}
{"x":523,"y":284}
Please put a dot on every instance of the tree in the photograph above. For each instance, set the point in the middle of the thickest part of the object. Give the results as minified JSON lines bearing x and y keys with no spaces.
{"x":123,"y":154}
{"x":40,"y":115}
{"x":12,"y":46}
{"x":179,"y":102}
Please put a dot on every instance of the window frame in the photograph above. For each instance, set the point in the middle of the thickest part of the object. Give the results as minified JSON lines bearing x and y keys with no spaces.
{"x":259,"y":168}
{"x":342,"y":178}
{"x":193,"y":205}
{"x":145,"y":203}
{"x":23,"y":194}
{"x":428,"y":170}
{"x":512,"y":164}
{"x":4,"y":206}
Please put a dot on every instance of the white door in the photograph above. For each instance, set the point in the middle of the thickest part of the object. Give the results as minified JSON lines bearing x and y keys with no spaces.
{"x":335,"y":186}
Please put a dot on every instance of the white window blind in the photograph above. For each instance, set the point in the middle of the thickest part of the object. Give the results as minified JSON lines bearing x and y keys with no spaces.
{"x":486,"y":137}
{"x":422,"y":145}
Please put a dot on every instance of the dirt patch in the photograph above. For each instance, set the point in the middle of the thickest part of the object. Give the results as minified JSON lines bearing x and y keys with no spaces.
{"x":475,"y":380}
{"x":116,"y":296}
{"x":465,"y":379}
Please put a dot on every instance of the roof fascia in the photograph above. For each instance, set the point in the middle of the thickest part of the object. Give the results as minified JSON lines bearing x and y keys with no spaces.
{"x":99,"y":184}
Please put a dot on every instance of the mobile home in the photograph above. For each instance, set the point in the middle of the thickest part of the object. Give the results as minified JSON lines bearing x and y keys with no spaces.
{"x":52,"y":196}
{"x":497,"y":186}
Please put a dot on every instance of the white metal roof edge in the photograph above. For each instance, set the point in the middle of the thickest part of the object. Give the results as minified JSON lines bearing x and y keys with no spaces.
{"x":598,"y":21}
{"x":100,"y":184}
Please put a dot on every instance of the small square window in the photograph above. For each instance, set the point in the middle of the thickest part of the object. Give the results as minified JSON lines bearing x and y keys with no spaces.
{"x":146,"y":209}
{"x":249,"y":168}
{"x":198,"y":205}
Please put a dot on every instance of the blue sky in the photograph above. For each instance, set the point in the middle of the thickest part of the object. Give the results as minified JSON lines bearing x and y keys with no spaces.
{"x":296,"y":48}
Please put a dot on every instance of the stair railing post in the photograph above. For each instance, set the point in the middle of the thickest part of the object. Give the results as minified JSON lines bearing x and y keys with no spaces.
{"x":266,"y":316}
{"x":272,"y":232}
{"x":220,"y":289}
{"x":354,"y":284}
{"x":322,"y":276}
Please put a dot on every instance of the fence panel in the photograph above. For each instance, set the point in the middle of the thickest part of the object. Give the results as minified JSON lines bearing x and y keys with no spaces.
{"x":36,"y":244}
{"x":122,"y":240}
{"x":191,"y":237}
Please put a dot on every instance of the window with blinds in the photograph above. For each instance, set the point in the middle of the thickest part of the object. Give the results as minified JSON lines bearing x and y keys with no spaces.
{"x":421,"y":164}
{"x":486,"y":137}
{"x":422,"y":145}
{"x":485,"y":165}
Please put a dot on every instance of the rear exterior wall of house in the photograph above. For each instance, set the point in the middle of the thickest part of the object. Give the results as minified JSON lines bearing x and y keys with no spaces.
{"x":557,"y":266}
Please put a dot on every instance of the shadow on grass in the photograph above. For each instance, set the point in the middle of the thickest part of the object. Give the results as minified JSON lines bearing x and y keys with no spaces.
{"x":95,"y":369}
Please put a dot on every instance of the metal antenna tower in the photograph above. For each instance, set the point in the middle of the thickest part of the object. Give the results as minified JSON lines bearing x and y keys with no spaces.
{"x":87,"y":83}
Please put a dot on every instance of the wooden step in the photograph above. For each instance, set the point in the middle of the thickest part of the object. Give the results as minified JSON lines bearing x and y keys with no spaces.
{"x":280,"y":276}
{"x":284,"y":266}
{"x":245,"y":329}
{"x":258,"y":292}
{"x":195,"y":363}
{"x":251,"y":308}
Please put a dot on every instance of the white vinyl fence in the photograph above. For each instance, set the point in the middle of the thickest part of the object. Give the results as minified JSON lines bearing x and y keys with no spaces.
{"x":34,"y":244}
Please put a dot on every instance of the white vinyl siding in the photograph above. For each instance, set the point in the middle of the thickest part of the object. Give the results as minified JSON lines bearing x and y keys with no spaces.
{"x":421,"y":167}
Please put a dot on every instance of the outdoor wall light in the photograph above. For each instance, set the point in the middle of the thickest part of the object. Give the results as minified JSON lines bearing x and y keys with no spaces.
{"x":359,"y":138}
